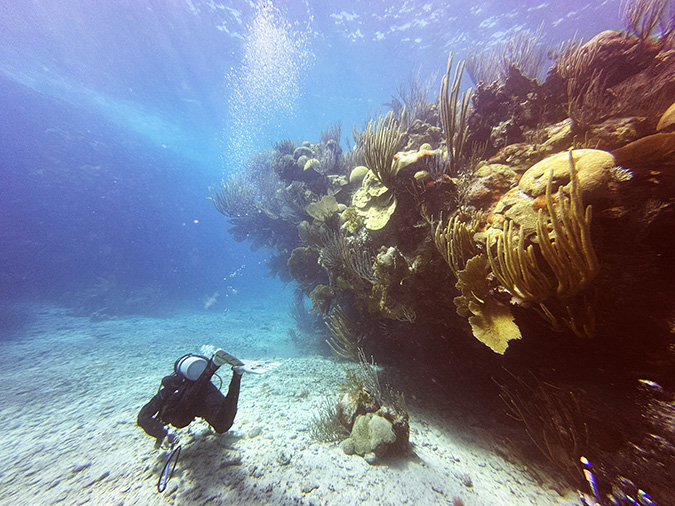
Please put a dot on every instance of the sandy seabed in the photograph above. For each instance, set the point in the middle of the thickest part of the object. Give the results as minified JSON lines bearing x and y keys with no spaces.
{"x":70,"y":390}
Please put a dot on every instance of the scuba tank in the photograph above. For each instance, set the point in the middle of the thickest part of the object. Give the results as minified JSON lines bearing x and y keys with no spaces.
{"x":190,"y":366}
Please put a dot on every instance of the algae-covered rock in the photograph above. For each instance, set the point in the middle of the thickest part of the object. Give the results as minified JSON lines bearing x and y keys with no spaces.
{"x":422,"y":177}
{"x":420,"y":133}
{"x":322,"y":298}
{"x":652,"y":151}
{"x":323,"y":209}
{"x":354,"y":403}
{"x":348,"y":446}
{"x":350,"y":219}
{"x":303,"y":265}
{"x":490,"y":182}
{"x":520,"y":156}
{"x":305,"y":232}
{"x":520,"y":207}
{"x":593,"y":168}
{"x":336,"y":182}
{"x":371,"y":434}
{"x":348,"y":408}
{"x":617,"y":131}
{"x":557,"y":136}
{"x":491,"y":170}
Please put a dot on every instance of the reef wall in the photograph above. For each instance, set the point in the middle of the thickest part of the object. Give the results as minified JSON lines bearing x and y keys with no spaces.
{"x":516,"y":238}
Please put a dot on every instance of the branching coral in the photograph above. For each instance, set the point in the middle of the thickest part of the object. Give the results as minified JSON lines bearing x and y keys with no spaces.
{"x":325,"y":425}
{"x":337,"y":253}
{"x":491,"y":321}
{"x":436,"y":167}
{"x":344,"y":341}
{"x":235,"y":197}
{"x":367,"y":374}
{"x":454,"y":113}
{"x":455,"y":241}
{"x":573,"y":58}
{"x":516,"y":268}
{"x":564,"y":55}
{"x":614,"y":75}
{"x":588,"y":99}
{"x":553,"y":420}
{"x":359,"y":261}
{"x":522,"y":50}
{"x":641,"y":17}
{"x":332,"y":246}
{"x":412,"y":103}
{"x":568,"y":251}
{"x":380,"y":142}
{"x":333,"y":132}
{"x":285,"y":147}
{"x":570,"y":254}
{"x":303,"y":266}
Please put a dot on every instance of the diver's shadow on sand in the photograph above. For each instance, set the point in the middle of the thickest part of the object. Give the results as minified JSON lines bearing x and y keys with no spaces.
{"x":210,"y":467}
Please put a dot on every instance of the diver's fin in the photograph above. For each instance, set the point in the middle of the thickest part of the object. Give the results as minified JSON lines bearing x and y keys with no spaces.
{"x":221,"y":357}
{"x":257,"y":366}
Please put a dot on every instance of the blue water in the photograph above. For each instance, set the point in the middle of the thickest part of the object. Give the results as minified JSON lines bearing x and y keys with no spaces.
{"x":118,"y":116}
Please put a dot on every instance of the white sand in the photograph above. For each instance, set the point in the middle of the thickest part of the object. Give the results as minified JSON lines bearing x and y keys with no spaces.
{"x":70,"y":390}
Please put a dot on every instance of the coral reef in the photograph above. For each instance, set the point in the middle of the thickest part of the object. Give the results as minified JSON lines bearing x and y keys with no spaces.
{"x":459,"y":229}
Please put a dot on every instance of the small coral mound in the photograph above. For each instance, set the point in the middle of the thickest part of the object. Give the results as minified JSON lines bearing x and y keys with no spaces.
{"x":377,"y":424}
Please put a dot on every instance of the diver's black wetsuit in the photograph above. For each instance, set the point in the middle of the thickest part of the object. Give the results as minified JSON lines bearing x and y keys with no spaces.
{"x":201,"y":399}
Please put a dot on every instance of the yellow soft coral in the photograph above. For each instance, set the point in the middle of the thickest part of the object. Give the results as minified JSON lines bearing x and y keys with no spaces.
{"x":374,"y":202}
{"x":491,"y":321}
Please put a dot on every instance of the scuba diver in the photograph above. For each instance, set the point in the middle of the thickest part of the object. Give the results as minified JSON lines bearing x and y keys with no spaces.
{"x":188,"y":393}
